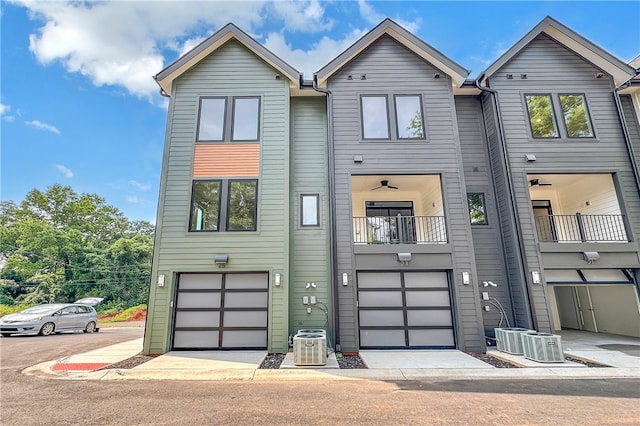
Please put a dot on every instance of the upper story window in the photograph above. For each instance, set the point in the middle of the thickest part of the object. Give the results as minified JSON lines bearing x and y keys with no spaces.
{"x":217,"y":124}
{"x":541,"y":116}
{"x":409,"y":116}
{"x":477,"y":210}
{"x":576,"y":116}
{"x":237,"y":196}
{"x":407,"y":110}
{"x":309,"y":210}
{"x":375,"y":117}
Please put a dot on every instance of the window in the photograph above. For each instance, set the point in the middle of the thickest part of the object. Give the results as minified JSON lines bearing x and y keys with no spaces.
{"x":216,"y":124}
{"x":239,"y":196}
{"x":541,"y":116}
{"x":375,"y":122}
{"x":309,"y":210}
{"x":576,"y":116}
{"x":242,"y":205}
{"x":211,"y":119}
{"x":477,"y":211}
{"x":245,"y":119}
{"x":205,"y":206}
{"x":409,"y":117}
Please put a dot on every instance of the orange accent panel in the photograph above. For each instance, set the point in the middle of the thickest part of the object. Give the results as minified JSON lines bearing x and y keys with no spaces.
{"x":226,"y":160}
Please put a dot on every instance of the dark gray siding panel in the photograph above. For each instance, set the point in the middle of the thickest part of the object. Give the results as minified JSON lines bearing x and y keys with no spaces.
{"x":392,"y":69}
{"x":487,"y":239}
{"x":552,"y":68}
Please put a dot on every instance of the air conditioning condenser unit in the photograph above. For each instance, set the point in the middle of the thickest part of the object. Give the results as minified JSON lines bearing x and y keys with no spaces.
{"x":542,"y":347}
{"x":509,"y":340}
{"x":310,"y":349}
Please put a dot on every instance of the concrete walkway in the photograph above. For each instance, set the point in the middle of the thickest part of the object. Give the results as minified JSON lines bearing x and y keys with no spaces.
{"x":620,"y":353}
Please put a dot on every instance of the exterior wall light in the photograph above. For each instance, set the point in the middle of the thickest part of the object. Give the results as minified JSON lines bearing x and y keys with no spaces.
{"x":221,"y":260}
{"x":466,"y":278}
{"x":345,"y":279}
{"x":535,"y":277}
{"x":277,"y":279}
{"x":590,"y":256}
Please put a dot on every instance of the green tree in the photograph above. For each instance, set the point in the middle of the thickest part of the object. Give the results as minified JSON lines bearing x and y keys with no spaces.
{"x":543,"y":125}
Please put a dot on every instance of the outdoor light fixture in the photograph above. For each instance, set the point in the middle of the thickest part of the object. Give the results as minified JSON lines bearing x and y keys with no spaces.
{"x":221,"y":260}
{"x":277,"y":279}
{"x":404,"y":258}
{"x":530,"y":157}
{"x":535,"y":277}
{"x":310,"y":285}
{"x":590,"y":256}
{"x":345,"y":279}
{"x":489,"y":283}
{"x":161,"y":280}
{"x":466,"y":278}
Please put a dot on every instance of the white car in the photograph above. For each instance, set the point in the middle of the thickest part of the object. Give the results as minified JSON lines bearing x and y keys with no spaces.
{"x":53,"y":318}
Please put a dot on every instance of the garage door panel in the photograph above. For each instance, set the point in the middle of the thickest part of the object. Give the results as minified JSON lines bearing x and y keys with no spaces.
{"x":198,"y":300}
{"x":195,"y":339}
{"x":435,"y":337}
{"x":245,"y":300}
{"x":245,"y":319}
{"x":197,"y":319}
{"x":429,"y":318}
{"x":405,"y":309}
{"x":379,"y":299}
{"x":378,"y":318}
{"x":221,"y":311}
{"x":200,"y":282}
{"x":425,"y":279}
{"x":428,"y":298}
{"x":243,"y":281}
{"x":244,"y":338}
{"x":380,"y":338}
{"x":379,"y":280}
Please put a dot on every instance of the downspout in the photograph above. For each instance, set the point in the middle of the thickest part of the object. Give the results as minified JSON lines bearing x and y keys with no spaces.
{"x":512,"y":200}
{"x":333,"y":257}
{"x":625,"y":130}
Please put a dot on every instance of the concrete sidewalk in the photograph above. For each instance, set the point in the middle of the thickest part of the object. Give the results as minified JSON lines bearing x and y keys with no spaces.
{"x":382,"y":365}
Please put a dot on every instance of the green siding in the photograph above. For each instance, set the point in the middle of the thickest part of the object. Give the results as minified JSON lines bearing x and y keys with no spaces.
{"x":310,"y":259}
{"x":232,"y":70}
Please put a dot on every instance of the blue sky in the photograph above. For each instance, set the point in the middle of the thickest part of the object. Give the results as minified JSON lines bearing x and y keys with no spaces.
{"x":79,"y":106}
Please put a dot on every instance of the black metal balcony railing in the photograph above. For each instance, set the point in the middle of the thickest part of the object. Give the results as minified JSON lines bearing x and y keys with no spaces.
{"x":399,"y":230}
{"x":581,"y":228}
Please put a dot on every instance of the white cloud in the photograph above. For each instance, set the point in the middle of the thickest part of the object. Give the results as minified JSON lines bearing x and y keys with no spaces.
{"x":65,"y":171}
{"x":140,"y":186}
{"x":304,"y":16}
{"x":42,"y":126}
{"x":136,"y":200}
{"x":310,"y":61}
{"x":369,"y":14}
{"x":4,"y":113}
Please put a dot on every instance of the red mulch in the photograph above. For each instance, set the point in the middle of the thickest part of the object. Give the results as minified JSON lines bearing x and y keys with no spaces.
{"x":84,"y":366}
{"x":139,"y":315}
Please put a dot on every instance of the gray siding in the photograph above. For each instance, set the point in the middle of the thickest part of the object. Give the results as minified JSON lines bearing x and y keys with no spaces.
{"x":392,"y":69}
{"x":487,"y":239}
{"x":232,"y":70}
{"x":552,"y":68}
{"x":309,"y":245}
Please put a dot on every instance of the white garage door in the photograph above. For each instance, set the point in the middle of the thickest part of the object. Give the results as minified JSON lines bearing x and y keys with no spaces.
{"x":404,"y":310}
{"x":221,"y":311}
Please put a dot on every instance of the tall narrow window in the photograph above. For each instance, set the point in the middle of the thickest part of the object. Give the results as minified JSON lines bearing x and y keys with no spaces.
{"x":477,"y":211}
{"x":205,"y":206}
{"x":246,"y":113}
{"x":409,"y":117}
{"x":375,"y":117}
{"x":211,"y":119}
{"x":541,"y":118}
{"x":242,"y":205}
{"x":576,"y":116}
{"x":309,"y":210}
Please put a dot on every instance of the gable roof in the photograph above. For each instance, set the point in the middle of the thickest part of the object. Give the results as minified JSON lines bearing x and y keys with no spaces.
{"x":165,"y":77}
{"x":457,"y":73}
{"x":613,"y":66}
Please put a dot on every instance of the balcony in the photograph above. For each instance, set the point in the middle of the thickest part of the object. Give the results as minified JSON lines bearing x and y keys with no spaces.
{"x":400,"y":230}
{"x":600,"y":228}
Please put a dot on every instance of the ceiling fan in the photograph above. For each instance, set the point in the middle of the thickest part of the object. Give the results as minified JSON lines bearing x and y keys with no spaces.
{"x":384,"y":184}
{"x":536,"y":182}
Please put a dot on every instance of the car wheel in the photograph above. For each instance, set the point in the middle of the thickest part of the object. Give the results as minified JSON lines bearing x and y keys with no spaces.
{"x":6,"y":334}
{"x":90,"y":328}
{"x":47,"y":329}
